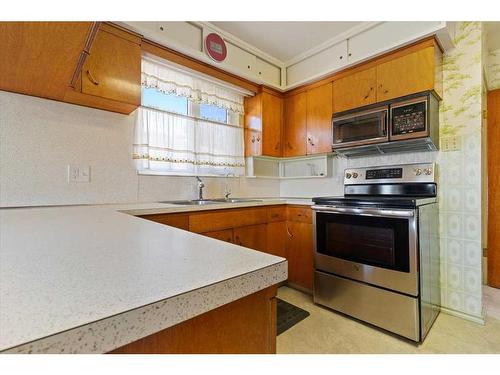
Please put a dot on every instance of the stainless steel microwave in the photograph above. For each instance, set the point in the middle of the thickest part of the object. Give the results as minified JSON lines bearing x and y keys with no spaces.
{"x":405,"y":124}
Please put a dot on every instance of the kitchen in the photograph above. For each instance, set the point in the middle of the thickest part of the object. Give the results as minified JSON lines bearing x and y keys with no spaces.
{"x":198,"y":187}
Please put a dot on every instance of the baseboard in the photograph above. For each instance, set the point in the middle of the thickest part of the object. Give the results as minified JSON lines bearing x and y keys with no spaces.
{"x":471,"y":318}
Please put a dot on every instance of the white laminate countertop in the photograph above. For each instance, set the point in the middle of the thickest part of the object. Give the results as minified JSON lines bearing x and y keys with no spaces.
{"x":89,"y":279}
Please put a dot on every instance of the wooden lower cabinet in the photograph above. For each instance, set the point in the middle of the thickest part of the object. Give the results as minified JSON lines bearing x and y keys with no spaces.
{"x":223,"y":235}
{"x":252,"y":236}
{"x":180,"y":221}
{"x":281,"y":230}
{"x":245,"y":326}
{"x":299,"y":253}
{"x":276,"y":238}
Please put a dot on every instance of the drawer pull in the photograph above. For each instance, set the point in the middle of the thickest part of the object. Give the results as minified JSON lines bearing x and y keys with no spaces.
{"x":288,"y":231}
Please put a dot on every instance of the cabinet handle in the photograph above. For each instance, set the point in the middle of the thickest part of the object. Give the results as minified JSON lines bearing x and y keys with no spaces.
{"x":386,"y":91}
{"x":258,"y":139}
{"x":288,"y":232}
{"x":289,"y":145}
{"x":91,"y":78}
{"x":341,"y":57}
{"x":253,"y":139}
{"x":309,"y":139}
{"x":350,"y":54}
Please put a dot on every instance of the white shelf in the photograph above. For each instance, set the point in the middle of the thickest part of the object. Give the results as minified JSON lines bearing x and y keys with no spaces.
{"x":314,"y":166}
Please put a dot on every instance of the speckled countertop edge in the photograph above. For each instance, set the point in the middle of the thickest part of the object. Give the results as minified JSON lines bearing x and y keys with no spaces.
{"x":111,"y":333}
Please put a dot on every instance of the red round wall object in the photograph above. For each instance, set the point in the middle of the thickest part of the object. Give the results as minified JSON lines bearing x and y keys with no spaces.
{"x":215,"y":47}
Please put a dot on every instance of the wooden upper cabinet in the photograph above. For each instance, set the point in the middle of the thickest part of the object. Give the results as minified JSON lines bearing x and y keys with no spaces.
{"x":355,"y":90}
{"x":264,"y":115}
{"x":113,"y":69}
{"x":39,"y":58}
{"x":295,"y":125}
{"x":408,"y":74}
{"x":272,"y":124}
{"x":319,"y":119}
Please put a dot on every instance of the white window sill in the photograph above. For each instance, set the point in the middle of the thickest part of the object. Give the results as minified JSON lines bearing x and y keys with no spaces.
{"x":180,"y":174}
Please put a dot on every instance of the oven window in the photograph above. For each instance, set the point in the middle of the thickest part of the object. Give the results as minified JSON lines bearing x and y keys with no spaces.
{"x":376,"y":241}
{"x":360,"y":128}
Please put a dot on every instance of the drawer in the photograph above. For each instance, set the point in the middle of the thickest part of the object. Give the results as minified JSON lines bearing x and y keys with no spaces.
{"x":302,"y":214}
{"x":226,"y":219}
{"x":277,"y":213}
{"x":174,"y":220}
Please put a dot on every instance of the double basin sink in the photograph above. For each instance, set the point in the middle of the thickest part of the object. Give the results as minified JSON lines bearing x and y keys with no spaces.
{"x":202,"y":202}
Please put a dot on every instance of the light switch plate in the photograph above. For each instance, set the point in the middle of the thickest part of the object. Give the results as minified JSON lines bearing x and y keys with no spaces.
{"x":450,"y":143}
{"x":78,"y":173}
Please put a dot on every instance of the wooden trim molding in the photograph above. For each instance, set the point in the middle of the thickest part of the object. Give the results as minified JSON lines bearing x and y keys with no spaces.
{"x":493,"y":139}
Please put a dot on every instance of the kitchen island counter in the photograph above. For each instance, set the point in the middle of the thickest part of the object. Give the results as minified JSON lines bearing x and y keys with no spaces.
{"x":92,"y":279}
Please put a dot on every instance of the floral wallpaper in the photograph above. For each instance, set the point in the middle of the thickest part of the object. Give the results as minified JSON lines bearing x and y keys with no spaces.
{"x":460,"y":184}
{"x":493,"y":69}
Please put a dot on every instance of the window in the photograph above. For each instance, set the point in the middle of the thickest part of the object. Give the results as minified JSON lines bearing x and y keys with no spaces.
{"x":187,"y":125}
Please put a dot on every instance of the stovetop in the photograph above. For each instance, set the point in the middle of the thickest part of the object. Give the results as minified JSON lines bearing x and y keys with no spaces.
{"x":374,"y":201}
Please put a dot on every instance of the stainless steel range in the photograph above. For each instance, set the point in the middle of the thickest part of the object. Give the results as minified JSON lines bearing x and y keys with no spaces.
{"x":377,"y":248}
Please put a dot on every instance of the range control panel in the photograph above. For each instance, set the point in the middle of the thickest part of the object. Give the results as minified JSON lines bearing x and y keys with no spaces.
{"x":422,"y":172}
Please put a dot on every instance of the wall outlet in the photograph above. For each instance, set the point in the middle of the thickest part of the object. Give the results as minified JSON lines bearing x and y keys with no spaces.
{"x":78,"y":173}
{"x":450,"y":143}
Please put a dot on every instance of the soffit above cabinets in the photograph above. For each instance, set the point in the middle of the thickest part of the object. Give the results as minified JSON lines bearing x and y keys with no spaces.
{"x":258,"y":55}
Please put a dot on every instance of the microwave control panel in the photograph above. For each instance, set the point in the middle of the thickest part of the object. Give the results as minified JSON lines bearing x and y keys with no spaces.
{"x":409,"y":118}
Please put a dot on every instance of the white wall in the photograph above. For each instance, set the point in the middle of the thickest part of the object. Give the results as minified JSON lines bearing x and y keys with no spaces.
{"x":39,"y":138}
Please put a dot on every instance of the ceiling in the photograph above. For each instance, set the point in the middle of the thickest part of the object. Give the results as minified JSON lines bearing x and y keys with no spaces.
{"x":289,"y":39}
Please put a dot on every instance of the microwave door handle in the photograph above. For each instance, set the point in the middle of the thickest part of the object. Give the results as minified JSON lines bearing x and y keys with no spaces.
{"x":384,"y":123}
{"x":365,"y":211}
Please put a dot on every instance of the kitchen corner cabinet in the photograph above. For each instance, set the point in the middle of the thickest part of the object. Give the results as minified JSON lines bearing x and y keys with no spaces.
{"x":263,"y":124}
{"x":295,"y":125}
{"x":355,"y":90}
{"x":110,"y":77}
{"x":319,"y":119}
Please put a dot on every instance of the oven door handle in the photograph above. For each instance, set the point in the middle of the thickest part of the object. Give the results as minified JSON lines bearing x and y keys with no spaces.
{"x":364,"y":211}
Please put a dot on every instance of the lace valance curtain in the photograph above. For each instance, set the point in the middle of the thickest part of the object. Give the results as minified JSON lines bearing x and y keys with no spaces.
{"x":197,"y":89}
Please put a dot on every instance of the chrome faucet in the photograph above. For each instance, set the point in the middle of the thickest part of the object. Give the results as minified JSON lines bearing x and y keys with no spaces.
{"x":201,"y":185}
{"x":227,"y":190}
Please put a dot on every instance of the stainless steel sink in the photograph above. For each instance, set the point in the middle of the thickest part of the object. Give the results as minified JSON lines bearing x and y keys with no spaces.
{"x":236,"y":200}
{"x":201,"y":202}
{"x":194,"y":202}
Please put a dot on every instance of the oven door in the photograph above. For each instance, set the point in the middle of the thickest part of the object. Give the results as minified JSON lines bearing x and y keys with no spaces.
{"x":375,"y":246}
{"x":360,"y":128}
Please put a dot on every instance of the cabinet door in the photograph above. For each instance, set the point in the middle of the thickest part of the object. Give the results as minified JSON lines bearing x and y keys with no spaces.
{"x":253,"y":143}
{"x":272,"y":120}
{"x":251,"y":236}
{"x":223,"y":235}
{"x":113,"y":69}
{"x":299,"y":251}
{"x":276,"y":238}
{"x":355,"y":90}
{"x":295,"y":125}
{"x":406,"y":75}
{"x":39,"y":58}
{"x":319,"y":119}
